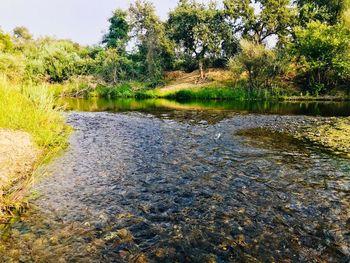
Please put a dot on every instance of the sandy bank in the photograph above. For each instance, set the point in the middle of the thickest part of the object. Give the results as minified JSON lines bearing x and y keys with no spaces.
{"x":18,"y":156}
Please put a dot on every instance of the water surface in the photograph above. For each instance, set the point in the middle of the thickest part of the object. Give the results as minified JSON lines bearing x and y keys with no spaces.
{"x":314,"y":108}
{"x":159,"y":184}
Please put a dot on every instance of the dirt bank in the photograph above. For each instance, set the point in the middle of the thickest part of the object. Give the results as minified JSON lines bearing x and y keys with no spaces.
{"x":18,"y":156}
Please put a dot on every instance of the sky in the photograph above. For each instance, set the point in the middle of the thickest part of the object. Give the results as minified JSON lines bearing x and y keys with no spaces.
{"x":83,"y":21}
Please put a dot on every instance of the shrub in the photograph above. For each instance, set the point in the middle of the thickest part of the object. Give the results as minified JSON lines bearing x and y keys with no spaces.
{"x":259,"y":63}
{"x":12,"y":66}
{"x":112,"y":67}
{"x":324,"y":58}
{"x":6,"y":44}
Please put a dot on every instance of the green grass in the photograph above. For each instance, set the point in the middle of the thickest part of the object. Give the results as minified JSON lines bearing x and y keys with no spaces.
{"x":124,"y":90}
{"x":211,"y":91}
{"x":30,"y":108}
{"x":224,"y":93}
{"x":141,"y":91}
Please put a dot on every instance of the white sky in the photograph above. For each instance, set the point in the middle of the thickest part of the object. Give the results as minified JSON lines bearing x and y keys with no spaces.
{"x":82,"y":21}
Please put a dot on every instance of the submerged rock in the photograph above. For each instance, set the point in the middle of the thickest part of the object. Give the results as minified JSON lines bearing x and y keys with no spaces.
{"x":332,"y":134}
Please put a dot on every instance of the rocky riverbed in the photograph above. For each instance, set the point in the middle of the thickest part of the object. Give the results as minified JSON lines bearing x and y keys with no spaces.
{"x":187,"y":186}
{"x":332,"y":134}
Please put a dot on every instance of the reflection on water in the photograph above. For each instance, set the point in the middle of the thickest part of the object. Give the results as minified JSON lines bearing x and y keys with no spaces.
{"x":270,"y":107}
{"x":183,"y":186}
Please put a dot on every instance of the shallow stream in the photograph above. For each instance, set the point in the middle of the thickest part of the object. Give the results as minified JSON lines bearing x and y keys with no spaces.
{"x":177,"y":184}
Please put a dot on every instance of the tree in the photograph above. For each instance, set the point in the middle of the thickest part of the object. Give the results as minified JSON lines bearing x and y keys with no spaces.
{"x":148,"y":31}
{"x":118,"y":33}
{"x":111,"y":66}
{"x":22,"y":33}
{"x":325,"y":11}
{"x":201,"y":31}
{"x":323,"y":52}
{"x":258,"y":62}
{"x":258,"y":20}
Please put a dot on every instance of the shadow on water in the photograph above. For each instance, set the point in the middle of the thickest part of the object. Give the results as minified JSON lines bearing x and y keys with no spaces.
{"x":162,"y":181}
{"x":260,"y":107}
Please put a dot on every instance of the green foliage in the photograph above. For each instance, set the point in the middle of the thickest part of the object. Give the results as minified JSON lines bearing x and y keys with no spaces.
{"x":31,"y":109}
{"x":12,"y":66}
{"x":154,"y":50}
{"x":312,"y":34}
{"x":6,"y":44}
{"x":260,"y":64}
{"x":61,"y":60}
{"x":275,"y":18}
{"x":202,"y":32}
{"x":112,"y":67}
{"x":118,"y":33}
{"x":22,"y":33}
{"x":48,"y":59}
{"x":120,"y":91}
{"x":325,"y":11}
{"x":226,"y":93}
{"x":324,"y":58}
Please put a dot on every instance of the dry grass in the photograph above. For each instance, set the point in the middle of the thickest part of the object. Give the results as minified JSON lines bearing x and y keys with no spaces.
{"x":18,"y":156}
{"x":179,"y":80}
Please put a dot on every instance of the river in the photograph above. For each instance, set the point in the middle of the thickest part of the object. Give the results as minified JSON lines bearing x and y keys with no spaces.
{"x":164,"y":181}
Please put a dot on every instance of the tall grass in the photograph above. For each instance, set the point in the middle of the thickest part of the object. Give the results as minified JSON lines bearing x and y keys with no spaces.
{"x":225,"y":93}
{"x":30,"y":109}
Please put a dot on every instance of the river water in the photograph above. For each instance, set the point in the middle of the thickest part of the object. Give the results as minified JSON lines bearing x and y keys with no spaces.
{"x":163,"y":181}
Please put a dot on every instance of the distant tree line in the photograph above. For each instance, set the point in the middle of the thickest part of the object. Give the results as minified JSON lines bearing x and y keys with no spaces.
{"x":264,"y":43}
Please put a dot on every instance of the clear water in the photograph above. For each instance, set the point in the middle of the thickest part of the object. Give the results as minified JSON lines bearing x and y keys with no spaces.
{"x":263,"y":107}
{"x":160,"y":184}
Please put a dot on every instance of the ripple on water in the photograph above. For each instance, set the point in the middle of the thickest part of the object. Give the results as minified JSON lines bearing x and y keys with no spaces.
{"x":136,"y":187}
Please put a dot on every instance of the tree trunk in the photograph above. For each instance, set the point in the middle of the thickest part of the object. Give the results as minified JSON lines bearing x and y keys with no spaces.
{"x":115,"y":76}
{"x":201,"y":69}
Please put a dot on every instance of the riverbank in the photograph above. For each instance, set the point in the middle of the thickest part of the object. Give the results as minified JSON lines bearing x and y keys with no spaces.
{"x":217,"y":85}
{"x":18,"y":156}
{"x":193,"y":92}
{"x":32,"y":132}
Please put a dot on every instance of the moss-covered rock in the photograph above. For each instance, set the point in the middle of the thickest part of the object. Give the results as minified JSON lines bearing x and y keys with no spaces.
{"x":333,"y":134}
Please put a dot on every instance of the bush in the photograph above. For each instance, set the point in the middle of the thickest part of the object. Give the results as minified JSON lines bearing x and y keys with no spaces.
{"x":324,"y":58}
{"x":6,"y":44}
{"x":260,"y":64}
{"x":120,"y":91}
{"x":112,"y":67}
{"x":12,"y":66}
{"x":62,"y":60}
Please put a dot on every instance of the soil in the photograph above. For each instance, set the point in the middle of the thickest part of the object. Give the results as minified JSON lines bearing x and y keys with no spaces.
{"x":18,"y":155}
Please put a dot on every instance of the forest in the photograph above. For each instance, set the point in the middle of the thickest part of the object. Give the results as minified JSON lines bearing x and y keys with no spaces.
{"x":295,"y":47}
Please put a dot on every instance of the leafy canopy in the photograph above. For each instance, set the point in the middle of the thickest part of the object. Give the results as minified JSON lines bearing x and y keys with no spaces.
{"x":118,"y":33}
{"x":258,"y":20}
{"x":323,"y":52}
